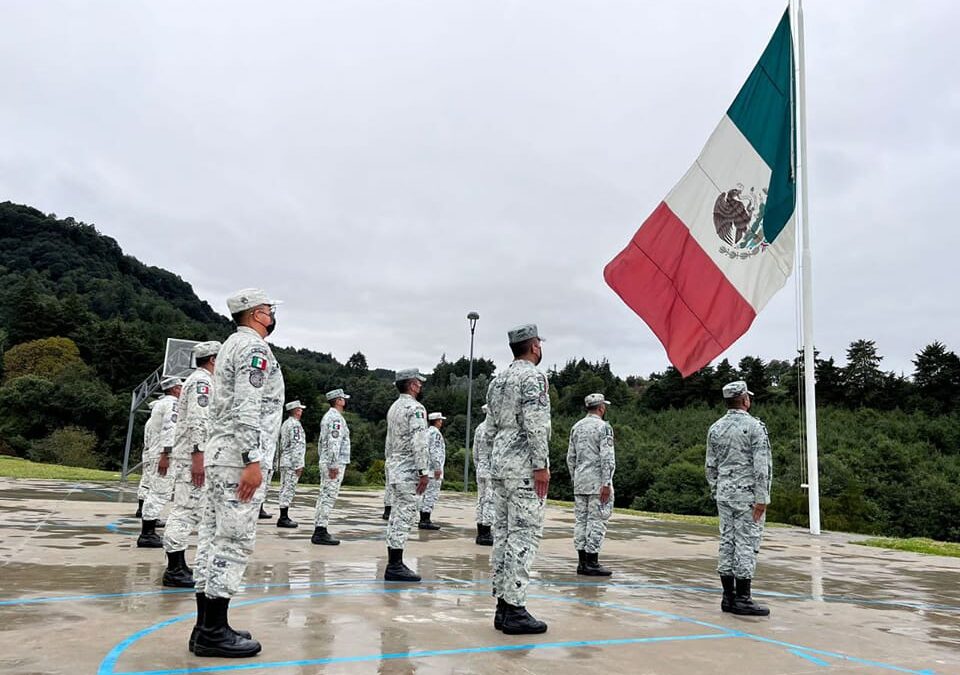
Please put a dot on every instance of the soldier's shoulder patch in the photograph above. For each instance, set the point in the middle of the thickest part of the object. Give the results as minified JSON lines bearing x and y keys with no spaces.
{"x":418,"y":413}
{"x":259,"y":362}
{"x":256,"y":378}
{"x":203,"y":400}
{"x":203,"y":388}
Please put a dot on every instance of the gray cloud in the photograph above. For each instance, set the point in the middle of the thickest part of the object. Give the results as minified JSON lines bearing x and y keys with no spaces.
{"x":387,"y":167}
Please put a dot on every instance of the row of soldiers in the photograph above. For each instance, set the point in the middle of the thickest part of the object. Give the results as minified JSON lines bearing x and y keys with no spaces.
{"x":218,"y":473}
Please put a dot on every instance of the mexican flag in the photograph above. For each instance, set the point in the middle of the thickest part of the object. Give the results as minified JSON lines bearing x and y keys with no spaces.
{"x":721,"y":244}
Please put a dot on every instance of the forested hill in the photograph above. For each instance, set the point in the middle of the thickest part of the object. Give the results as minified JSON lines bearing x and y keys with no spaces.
{"x":81,"y":324}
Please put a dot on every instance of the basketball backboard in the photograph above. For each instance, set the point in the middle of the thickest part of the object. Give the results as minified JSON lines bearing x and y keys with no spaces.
{"x":178,"y":359}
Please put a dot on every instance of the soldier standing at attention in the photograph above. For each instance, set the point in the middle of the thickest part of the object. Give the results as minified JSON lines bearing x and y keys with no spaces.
{"x":149,"y":438}
{"x":187,"y":463}
{"x":591,"y":461}
{"x":293,"y":449}
{"x":333,"y":450}
{"x":437,"y":449}
{"x":161,"y":484}
{"x":482,"y":443}
{"x":245,"y":415}
{"x":519,"y":421}
{"x":407,"y":468}
{"x":739,"y":468}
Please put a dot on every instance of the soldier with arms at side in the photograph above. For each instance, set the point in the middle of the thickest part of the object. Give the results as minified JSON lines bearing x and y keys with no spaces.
{"x":333,"y":450}
{"x":293,"y":450}
{"x":166,"y":411}
{"x":482,"y":444}
{"x":739,"y":468}
{"x":437,"y":449}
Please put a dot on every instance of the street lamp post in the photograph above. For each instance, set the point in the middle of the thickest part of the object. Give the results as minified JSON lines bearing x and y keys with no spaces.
{"x":472,"y":318}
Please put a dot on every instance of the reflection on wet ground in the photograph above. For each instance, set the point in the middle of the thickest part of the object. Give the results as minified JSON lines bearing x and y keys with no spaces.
{"x":71,"y":569}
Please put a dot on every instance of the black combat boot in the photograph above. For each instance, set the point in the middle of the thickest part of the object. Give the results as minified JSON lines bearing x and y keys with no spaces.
{"x":594,"y":568}
{"x":729,"y":592}
{"x":743,"y":604}
{"x":483,"y":535}
{"x":582,"y":564}
{"x":216,"y":638}
{"x":322,"y":538}
{"x":264,"y":515}
{"x":139,"y":513}
{"x":396,"y":570}
{"x":201,"y":612}
{"x":176,"y":574}
{"x":425,"y":523}
{"x":148,"y":535}
{"x":498,"y":616}
{"x":518,"y":621}
{"x":386,"y":512}
{"x":284,"y":519}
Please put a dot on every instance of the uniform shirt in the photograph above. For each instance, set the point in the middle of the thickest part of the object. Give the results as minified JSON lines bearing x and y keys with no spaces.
{"x":590,"y":455}
{"x":334,"y":441}
{"x":247,"y":404}
{"x":167,"y":409}
{"x":518,"y":417}
{"x":293,"y":444}
{"x":437,"y":448}
{"x":406,"y":447}
{"x":739,"y":463}
{"x":193,"y":425}
{"x":482,"y":444}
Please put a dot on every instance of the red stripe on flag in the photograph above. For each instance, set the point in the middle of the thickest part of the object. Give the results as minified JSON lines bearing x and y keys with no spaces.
{"x":671,"y":283}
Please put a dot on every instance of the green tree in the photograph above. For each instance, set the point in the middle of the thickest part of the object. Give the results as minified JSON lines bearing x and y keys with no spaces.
{"x":46,"y":358}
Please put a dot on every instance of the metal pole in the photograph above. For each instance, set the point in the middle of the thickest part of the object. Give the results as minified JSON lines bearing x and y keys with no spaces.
{"x":809,"y":363}
{"x":472,"y":317}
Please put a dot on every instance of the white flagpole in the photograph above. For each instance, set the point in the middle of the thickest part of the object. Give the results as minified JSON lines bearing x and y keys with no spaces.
{"x":806,"y":270}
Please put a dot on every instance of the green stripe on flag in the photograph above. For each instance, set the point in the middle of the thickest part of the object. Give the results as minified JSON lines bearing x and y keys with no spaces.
{"x":762,"y":113}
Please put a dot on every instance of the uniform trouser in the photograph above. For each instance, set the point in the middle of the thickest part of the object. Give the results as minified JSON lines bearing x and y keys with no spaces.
{"x":387,"y":492}
{"x":288,"y":486}
{"x":517,"y":529}
{"x":160,"y":492}
{"x":404,"y":512}
{"x":327,"y":497}
{"x":591,"y":521}
{"x":484,"y":501}
{"x":228,"y":531}
{"x":185,"y":515}
{"x":739,"y":539}
{"x":143,"y":489}
{"x":266,"y":471}
{"x":430,"y":496}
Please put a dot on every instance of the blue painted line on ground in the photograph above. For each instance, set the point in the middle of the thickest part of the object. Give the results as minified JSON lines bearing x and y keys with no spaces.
{"x":809,"y":657}
{"x":108,"y":664}
{"x":429,"y":653}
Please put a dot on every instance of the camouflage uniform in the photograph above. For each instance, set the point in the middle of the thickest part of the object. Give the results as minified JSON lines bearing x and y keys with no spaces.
{"x":482,"y":444}
{"x":245,"y":415}
{"x":161,"y":487}
{"x":739,"y":468}
{"x":191,"y":436}
{"x":437,"y":448}
{"x":334,"y":452}
{"x":519,"y":421}
{"x":293,"y":448}
{"x":150,"y":430}
{"x":591,"y":462}
{"x":407,"y":460}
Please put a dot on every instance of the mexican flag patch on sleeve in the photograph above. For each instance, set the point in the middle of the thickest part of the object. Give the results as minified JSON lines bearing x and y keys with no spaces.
{"x":203,"y":388}
{"x":259,"y":363}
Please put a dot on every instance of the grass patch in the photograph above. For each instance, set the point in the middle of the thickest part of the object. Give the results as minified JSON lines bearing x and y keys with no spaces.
{"x":16,"y":467}
{"x":914,"y":545}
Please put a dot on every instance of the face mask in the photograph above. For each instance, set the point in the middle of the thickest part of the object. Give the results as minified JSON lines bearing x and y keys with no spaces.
{"x":272,"y":326}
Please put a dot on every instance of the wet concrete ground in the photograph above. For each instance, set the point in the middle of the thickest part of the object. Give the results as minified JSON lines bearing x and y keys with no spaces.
{"x":77,"y":596}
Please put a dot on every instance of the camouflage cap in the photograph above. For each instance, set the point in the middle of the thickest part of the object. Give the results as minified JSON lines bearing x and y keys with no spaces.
{"x":293,"y":405}
{"x":734,"y":389}
{"x":168,"y":383}
{"x":593,"y":400}
{"x":209,"y":348}
{"x":248,"y":298}
{"x":435,"y":416}
{"x":521,"y":333}
{"x":334,"y":394}
{"x":409,"y":374}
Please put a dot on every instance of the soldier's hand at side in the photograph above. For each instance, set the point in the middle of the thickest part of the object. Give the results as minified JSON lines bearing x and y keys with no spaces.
{"x":163,"y":464}
{"x":541,"y":482}
{"x":299,"y":472}
{"x":333,"y":473}
{"x":197,"y":474}
{"x":758,"y":511}
{"x":604,"y":494}
{"x":250,"y":480}
{"x":437,"y":474}
{"x":422,"y":484}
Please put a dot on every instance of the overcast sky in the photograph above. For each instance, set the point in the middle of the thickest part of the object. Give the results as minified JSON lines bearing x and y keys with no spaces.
{"x":386,"y":167}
